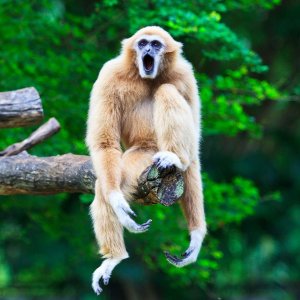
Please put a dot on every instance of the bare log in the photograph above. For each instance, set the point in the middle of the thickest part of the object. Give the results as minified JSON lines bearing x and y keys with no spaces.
{"x":46,"y":175}
{"x":42,"y":133}
{"x":26,"y":174}
{"x":20,"y":108}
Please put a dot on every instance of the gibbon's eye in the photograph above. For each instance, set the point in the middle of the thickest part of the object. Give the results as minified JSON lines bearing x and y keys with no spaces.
{"x":142,"y":43}
{"x":156,"y":44}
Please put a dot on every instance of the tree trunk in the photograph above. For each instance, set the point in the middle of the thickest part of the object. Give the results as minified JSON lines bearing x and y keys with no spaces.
{"x":20,"y":108}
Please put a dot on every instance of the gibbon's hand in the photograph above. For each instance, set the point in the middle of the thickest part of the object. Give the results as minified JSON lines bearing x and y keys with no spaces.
{"x":191,"y":254}
{"x":167,"y":159}
{"x":188,"y":257}
{"x":123,"y":212}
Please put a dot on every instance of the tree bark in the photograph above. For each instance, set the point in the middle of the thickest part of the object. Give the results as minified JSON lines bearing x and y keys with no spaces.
{"x":27,"y":174}
{"x":38,"y":136}
{"x":20,"y":108}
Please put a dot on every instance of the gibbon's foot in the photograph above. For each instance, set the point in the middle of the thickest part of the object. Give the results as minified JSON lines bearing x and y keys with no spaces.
{"x":191,"y":254}
{"x":167,"y":159}
{"x":160,"y":185}
{"x":123,"y":212}
{"x":104,"y":272}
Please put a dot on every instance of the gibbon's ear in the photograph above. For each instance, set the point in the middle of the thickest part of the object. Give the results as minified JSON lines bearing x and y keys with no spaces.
{"x":127,"y":44}
{"x":173,"y":46}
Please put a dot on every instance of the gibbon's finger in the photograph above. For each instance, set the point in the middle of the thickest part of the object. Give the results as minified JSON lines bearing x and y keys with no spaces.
{"x":187,"y":253}
{"x":166,"y":159}
{"x":145,"y":226}
{"x":123,"y":212}
{"x":125,"y":206}
{"x":147,"y":223}
{"x":164,"y":170}
{"x":133,"y":227}
{"x":161,"y":165}
{"x":129,"y":211}
{"x":173,"y":259}
{"x":179,"y":262}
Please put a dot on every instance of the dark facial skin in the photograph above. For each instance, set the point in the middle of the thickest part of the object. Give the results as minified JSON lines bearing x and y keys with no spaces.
{"x":148,"y":46}
{"x":149,"y":50}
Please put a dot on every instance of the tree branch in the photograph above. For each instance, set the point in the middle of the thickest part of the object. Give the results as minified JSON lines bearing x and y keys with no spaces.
{"x":20,"y":108}
{"x":26,"y":174}
{"x":42,"y":133}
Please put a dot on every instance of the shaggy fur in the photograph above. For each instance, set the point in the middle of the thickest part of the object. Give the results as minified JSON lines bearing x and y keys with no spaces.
{"x":148,"y":116}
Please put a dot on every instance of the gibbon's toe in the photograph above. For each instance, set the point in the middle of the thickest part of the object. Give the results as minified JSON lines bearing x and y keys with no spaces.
{"x":104,"y":272}
{"x":96,"y":287}
{"x":106,"y":280}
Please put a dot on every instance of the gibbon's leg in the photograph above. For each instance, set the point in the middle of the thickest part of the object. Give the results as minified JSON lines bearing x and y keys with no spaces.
{"x":135,"y":161}
{"x":107,"y":225}
{"x":109,"y":235}
{"x":178,"y":145}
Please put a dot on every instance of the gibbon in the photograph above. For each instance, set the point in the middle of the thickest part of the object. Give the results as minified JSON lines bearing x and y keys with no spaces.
{"x":146,"y":98}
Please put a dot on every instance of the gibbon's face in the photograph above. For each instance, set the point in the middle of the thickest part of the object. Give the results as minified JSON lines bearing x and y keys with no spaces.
{"x":149,"y":50}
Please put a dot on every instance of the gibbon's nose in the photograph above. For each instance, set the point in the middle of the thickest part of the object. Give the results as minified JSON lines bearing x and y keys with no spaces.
{"x":148,"y":49}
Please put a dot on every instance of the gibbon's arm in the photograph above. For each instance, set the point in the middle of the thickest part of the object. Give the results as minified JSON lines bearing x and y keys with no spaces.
{"x":176,"y":118}
{"x":189,"y":91}
{"x":103,"y":137}
{"x":175,"y":128}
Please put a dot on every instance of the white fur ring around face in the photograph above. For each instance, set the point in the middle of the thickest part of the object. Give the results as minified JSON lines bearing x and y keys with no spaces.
{"x":166,"y":159}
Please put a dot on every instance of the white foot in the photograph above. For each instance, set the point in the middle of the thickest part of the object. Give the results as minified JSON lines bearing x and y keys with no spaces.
{"x":123,"y":212}
{"x":191,"y":254}
{"x":104,"y":272}
{"x":165,"y":159}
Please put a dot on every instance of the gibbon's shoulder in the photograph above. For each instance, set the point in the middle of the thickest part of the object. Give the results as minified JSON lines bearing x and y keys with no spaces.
{"x":184,"y":66}
{"x":107,"y":82}
{"x":111,"y":68}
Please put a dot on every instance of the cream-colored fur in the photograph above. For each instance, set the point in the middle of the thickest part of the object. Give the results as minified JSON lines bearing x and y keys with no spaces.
{"x":155,"y":119}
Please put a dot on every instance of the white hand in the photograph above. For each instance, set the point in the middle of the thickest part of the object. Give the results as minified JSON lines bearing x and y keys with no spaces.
{"x":123,"y":212}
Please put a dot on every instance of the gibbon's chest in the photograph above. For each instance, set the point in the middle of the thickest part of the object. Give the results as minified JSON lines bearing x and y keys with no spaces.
{"x":137,"y":121}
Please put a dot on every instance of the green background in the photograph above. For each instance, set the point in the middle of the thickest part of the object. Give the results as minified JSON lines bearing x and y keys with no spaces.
{"x":246,"y":59}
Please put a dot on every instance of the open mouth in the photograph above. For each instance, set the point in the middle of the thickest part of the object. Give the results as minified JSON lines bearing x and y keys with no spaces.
{"x":148,"y":62}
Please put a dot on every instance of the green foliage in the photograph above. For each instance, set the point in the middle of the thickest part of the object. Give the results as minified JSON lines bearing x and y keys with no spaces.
{"x":225,"y":203}
{"x":58,"y":47}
